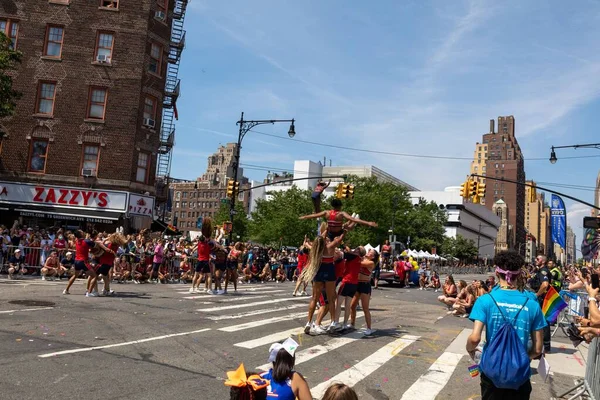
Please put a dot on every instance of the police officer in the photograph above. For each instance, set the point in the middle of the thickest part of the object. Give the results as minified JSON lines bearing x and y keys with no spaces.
{"x":556,"y":275}
{"x":540,"y":283}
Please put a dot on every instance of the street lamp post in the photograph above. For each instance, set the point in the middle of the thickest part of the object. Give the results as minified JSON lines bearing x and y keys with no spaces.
{"x":391,"y":232}
{"x":554,"y":159}
{"x":246,"y":126}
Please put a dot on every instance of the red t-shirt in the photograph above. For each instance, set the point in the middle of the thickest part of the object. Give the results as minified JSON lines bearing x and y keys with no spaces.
{"x":352,"y":268}
{"x":60,"y":244}
{"x":108,"y":258}
{"x":386,"y":248}
{"x":302,"y":260}
{"x":340,"y":267}
{"x":82,"y":249}
{"x":204,"y":249}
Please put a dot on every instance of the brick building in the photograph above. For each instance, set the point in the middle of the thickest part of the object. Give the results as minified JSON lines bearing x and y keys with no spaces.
{"x":99,"y":84}
{"x":203,"y":197}
{"x":505,"y":160}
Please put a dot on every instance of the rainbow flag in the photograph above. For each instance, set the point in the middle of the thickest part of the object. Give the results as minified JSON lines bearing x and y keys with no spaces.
{"x":474,"y":370}
{"x":553,"y":305}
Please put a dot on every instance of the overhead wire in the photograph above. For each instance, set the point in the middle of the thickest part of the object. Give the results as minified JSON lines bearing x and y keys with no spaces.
{"x":391,"y":153}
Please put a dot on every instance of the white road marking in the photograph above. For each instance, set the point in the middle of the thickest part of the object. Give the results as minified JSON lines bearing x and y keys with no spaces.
{"x":108,"y":346}
{"x":262,"y":322}
{"x":367,"y":366}
{"x":255,"y":312}
{"x":430,"y":384}
{"x":275,"y":337}
{"x":247,"y":296}
{"x":315,"y":351}
{"x":258,"y":303}
{"x":26,"y":309}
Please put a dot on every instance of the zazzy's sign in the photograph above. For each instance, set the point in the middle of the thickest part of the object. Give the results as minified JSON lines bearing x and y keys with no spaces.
{"x":60,"y":196}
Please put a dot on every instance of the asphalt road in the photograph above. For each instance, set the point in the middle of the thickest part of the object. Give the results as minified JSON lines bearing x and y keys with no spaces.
{"x":158,"y":341}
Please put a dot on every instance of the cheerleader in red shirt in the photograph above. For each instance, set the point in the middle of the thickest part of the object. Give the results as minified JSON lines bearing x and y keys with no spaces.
{"x":302,"y":261}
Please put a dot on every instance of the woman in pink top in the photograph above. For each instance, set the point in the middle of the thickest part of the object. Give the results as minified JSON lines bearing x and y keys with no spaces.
{"x":158,"y":259}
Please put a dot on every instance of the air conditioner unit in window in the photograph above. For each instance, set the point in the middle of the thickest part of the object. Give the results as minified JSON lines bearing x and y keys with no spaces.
{"x":149,"y":122}
{"x":87,"y":172}
{"x":160,"y":15}
{"x":103,"y":58}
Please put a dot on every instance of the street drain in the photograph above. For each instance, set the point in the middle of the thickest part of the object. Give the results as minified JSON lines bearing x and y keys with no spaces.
{"x":32,"y":303}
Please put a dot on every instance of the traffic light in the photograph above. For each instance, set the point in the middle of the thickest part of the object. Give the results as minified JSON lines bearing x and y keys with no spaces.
{"x":473,"y":189}
{"x":481,"y":190}
{"x":464,"y":189}
{"x":232,"y":188}
{"x":339,"y":191}
{"x":349,"y":191}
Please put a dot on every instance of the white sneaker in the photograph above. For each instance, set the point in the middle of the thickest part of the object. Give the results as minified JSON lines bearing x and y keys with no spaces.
{"x":43,"y":278}
{"x":293,"y":294}
{"x":349,"y":326}
{"x":192,"y":290}
{"x":224,"y":291}
{"x":108,"y":293}
{"x":307,"y":328}
{"x":208,"y":291}
{"x":335,"y":326}
{"x":66,"y":291}
{"x":220,"y":292}
{"x":369,"y":332}
{"x":303,"y":293}
{"x":92,"y":294}
{"x":319,"y":330}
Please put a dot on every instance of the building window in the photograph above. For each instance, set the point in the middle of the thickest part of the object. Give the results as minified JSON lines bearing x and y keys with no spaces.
{"x":150,"y":112}
{"x":475,"y":169}
{"x":184,"y":204}
{"x":177,"y":195}
{"x":46,"y":95}
{"x":10,"y":29}
{"x":90,"y":158}
{"x":162,"y":6}
{"x":185,"y":195}
{"x":114,"y":4}
{"x":176,"y":214}
{"x":176,"y":204}
{"x":143,"y":165}
{"x":37,"y":156}
{"x":104,"y":47}
{"x":97,"y":103}
{"x":183,"y":214}
{"x":155,"y":58}
{"x":54,"y":41}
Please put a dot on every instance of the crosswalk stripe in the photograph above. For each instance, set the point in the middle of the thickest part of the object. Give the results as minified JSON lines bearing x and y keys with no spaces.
{"x":430,"y":384}
{"x":276,"y":337}
{"x":367,"y":366}
{"x":258,"y":303}
{"x":262,"y":322}
{"x":26,"y":309}
{"x":315,"y":351}
{"x":208,"y":296}
{"x":255,"y":312}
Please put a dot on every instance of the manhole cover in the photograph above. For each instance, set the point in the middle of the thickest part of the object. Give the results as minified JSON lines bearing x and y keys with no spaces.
{"x":32,"y":303}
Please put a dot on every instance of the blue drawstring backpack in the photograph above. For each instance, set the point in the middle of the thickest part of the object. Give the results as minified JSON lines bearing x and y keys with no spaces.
{"x":505,"y":360}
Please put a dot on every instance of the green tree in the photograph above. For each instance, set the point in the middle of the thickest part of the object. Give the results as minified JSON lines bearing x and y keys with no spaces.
{"x":240,"y":221}
{"x":275,"y":221}
{"x":9,"y":59}
{"x":460,"y":247}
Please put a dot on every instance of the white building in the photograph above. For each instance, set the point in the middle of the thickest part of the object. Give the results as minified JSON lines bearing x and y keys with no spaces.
{"x":471,"y":221}
{"x":310,"y":171}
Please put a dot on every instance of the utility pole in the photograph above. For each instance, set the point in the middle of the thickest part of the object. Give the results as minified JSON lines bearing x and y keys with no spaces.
{"x":478,"y":238}
{"x":392,"y":236}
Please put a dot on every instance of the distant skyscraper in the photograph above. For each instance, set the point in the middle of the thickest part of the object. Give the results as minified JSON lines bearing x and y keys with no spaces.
{"x":504,"y":159}
{"x":571,"y":246}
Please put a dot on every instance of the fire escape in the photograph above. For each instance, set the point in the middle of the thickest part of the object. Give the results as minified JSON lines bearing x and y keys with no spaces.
{"x":171,"y":93}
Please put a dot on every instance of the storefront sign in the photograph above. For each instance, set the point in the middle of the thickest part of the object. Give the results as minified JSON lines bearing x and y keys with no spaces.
{"x":64,"y":197}
{"x":140,"y":205}
{"x":69,"y":217}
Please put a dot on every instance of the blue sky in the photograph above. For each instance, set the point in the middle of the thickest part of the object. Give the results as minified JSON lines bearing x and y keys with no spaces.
{"x":420,"y":77}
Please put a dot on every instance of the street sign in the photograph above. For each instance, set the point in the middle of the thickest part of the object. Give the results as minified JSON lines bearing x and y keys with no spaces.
{"x":224,"y":201}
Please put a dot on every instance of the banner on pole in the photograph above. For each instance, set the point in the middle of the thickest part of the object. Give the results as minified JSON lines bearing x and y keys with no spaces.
{"x":559,"y":221}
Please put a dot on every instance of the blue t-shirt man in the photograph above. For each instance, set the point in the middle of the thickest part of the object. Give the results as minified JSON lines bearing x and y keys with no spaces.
{"x":510,"y":301}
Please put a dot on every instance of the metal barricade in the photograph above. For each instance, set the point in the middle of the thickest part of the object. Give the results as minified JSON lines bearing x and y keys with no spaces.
{"x":576,"y":301}
{"x":590,"y":385}
{"x":33,"y":257}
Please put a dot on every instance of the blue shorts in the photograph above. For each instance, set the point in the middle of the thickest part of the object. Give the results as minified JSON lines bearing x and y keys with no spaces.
{"x":347,"y":289}
{"x":202,"y":267}
{"x":326,"y":273}
{"x":80,"y":266}
{"x":364,"y":288}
